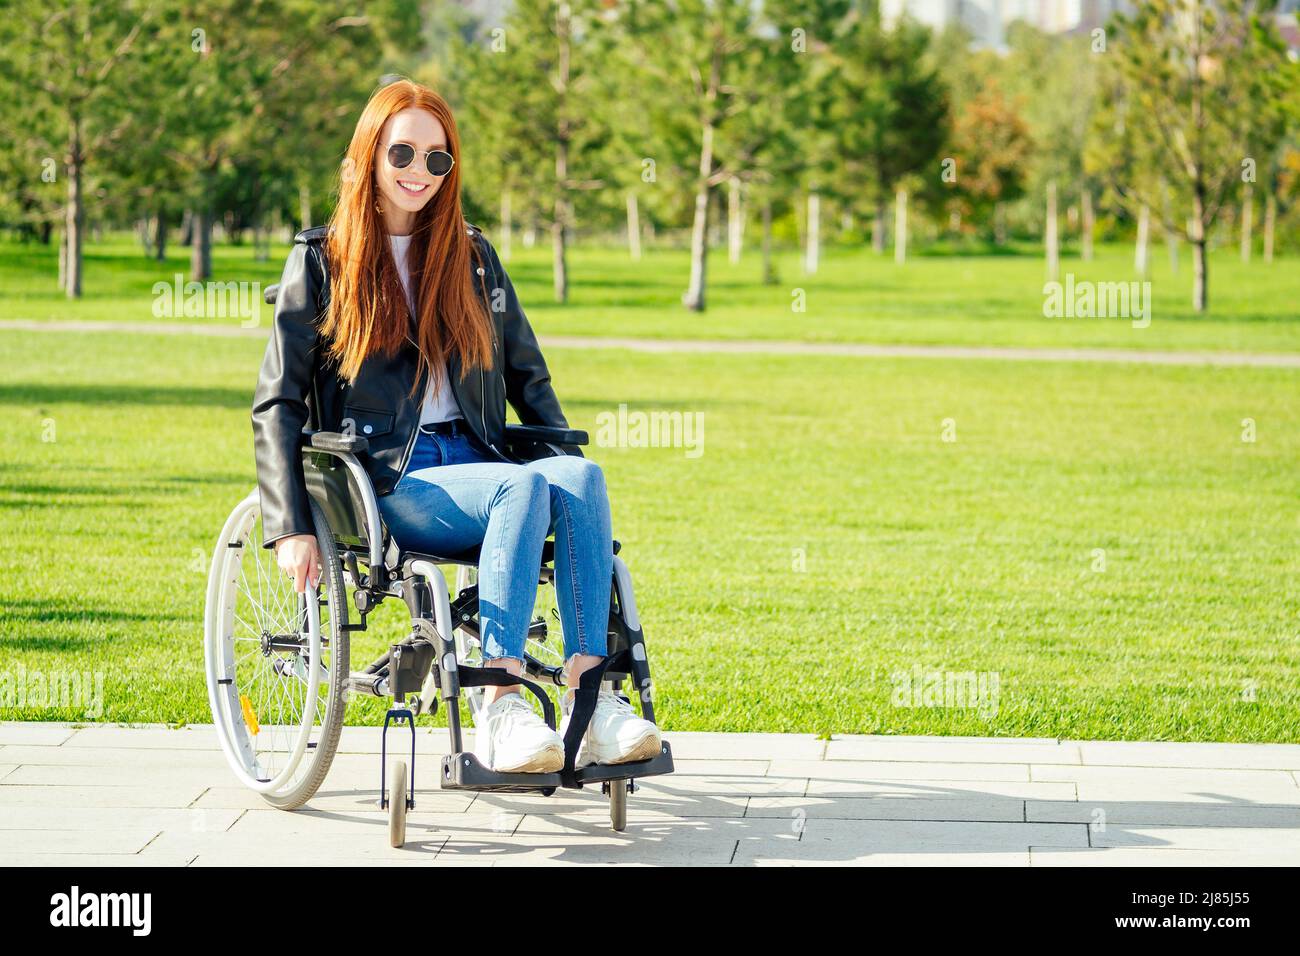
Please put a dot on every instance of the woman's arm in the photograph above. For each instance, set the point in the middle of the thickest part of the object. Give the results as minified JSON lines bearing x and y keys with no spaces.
{"x":279,"y":405}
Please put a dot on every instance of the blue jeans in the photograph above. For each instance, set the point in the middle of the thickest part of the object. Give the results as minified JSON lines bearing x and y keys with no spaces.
{"x":455,"y":496}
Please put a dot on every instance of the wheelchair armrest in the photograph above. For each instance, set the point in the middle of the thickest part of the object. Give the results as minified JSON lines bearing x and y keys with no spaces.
{"x":270,"y":293}
{"x":523,"y":434}
{"x":334,"y":441}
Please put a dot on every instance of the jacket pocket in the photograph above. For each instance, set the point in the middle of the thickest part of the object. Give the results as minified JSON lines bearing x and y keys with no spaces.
{"x":366,"y":422}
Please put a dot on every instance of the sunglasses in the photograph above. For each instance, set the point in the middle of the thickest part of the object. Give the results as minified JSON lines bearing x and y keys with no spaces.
{"x":437,"y":161}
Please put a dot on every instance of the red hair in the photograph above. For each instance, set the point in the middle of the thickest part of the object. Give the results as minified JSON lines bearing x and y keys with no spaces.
{"x":367,"y":305}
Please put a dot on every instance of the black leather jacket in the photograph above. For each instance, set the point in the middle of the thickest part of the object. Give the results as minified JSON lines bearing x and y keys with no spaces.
{"x":298,"y":386}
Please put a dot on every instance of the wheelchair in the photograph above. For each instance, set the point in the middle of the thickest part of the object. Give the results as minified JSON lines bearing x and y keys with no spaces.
{"x":278,"y":662}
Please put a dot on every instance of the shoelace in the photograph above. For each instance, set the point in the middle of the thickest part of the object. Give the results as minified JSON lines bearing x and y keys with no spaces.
{"x":608,"y":699}
{"x":511,"y":711}
{"x":605,"y":700}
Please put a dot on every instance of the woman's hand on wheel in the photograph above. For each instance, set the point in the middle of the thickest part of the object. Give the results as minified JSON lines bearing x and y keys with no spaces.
{"x":299,"y":557}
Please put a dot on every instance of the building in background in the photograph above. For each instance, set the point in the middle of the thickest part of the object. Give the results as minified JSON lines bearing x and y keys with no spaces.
{"x":987,"y":20}
{"x":1288,"y":24}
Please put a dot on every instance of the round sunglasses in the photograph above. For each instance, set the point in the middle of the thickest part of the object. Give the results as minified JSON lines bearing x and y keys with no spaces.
{"x":437,"y":161}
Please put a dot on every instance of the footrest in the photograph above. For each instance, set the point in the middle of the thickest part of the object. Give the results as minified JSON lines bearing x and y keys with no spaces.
{"x":463,"y":771}
{"x":600,"y":772}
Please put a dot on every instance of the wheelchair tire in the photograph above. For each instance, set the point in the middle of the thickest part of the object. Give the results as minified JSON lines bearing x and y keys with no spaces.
{"x":397,"y":803}
{"x":618,"y":805}
{"x":259,"y":641}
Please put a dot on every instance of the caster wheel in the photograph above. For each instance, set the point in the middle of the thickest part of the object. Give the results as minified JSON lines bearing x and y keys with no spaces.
{"x":618,"y":805}
{"x":397,"y":804}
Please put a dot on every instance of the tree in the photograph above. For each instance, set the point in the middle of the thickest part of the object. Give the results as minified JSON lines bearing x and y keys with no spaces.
{"x":703,"y":61}
{"x":543,"y":64}
{"x":1055,"y":78}
{"x":242,"y":83}
{"x":1196,"y":90}
{"x":69,"y":62}
{"x":991,"y":149}
{"x":887,"y":108}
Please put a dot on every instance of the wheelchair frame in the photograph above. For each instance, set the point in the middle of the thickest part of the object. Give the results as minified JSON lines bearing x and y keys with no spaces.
{"x":423,"y":669}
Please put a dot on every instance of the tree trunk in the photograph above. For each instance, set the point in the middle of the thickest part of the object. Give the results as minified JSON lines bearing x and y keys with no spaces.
{"x":735,"y":222}
{"x":507,"y":227}
{"x":1270,"y":222}
{"x":1143,"y":237}
{"x":201,"y":246}
{"x":559,"y":256}
{"x":1247,"y":210}
{"x":813,"y":248}
{"x":769,"y":272}
{"x":1200,"y":264}
{"x":1171,"y":234}
{"x":200,"y":220}
{"x":1050,"y":238}
{"x":633,"y":227}
{"x":900,"y":227}
{"x":560,"y":216}
{"x":999,"y":224}
{"x":878,"y":226}
{"x":63,"y":258}
{"x":74,"y":214}
{"x":694,"y":297}
{"x":160,"y":236}
{"x":1089,"y":225}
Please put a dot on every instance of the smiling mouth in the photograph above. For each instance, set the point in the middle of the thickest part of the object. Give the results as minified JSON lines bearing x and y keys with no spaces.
{"x":413,"y":189}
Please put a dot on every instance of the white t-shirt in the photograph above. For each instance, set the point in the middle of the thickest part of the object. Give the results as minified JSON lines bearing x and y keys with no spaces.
{"x":438,"y":406}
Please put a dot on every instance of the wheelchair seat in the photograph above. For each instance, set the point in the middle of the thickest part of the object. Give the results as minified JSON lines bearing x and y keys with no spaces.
{"x":469,"y":558}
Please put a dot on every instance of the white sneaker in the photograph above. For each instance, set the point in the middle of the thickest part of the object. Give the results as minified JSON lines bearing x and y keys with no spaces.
{"x":615,"y":734}
{"x":512,"y":738}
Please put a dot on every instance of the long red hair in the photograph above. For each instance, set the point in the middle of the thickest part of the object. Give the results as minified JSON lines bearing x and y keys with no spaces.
{"x":367,"y":308}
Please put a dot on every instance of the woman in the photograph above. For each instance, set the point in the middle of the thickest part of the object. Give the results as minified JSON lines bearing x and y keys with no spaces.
{"x":401,"y":322}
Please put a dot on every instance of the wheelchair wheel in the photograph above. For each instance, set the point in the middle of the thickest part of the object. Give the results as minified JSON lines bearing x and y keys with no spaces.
{"x":276,"y":661}
{"x":468,"y":650}
{"x":397,"y":804}
{"x":618,"y":805}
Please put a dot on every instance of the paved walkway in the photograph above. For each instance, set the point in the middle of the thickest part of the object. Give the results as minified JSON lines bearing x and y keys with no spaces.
{"x":110,"y":795}
{"x":747,"y":346}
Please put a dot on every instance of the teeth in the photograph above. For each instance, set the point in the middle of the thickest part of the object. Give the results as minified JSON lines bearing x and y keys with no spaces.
{"x":413,"y":187}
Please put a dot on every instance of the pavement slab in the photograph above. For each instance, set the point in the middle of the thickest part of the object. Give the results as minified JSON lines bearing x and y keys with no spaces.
{"x":113,"y":795}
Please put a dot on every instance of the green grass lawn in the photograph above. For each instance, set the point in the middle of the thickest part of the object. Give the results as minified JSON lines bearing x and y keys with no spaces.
{"x":827,"y":538}
{"x":855,"y":297}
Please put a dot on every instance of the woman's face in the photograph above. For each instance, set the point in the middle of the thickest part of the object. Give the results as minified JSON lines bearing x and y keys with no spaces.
{"x":405,"y":192}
